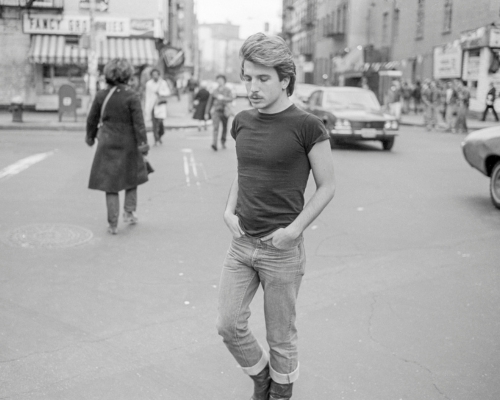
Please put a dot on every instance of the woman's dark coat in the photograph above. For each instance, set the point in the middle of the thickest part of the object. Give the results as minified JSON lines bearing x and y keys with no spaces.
{"x":118,"y":164}
{"x":202,"y":96}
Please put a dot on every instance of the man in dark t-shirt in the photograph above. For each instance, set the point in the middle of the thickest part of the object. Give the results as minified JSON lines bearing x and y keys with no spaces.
{"x":277,"y":146}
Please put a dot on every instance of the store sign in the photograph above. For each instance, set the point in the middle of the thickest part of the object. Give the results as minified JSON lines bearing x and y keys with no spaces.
{"x":35,"y":4}
{"x":78,"y":25}
{"x":448,"y":61}
{"x":100,"y":5}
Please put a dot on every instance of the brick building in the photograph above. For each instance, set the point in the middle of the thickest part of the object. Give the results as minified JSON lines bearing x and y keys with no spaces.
{"x":44,"y":43}
{"x":341,"y":41}
{"x":437,"y":39}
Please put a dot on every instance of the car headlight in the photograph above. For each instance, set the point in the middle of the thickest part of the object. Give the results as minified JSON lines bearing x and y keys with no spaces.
{"x":393,"y":125}
{"x":342,"y":124}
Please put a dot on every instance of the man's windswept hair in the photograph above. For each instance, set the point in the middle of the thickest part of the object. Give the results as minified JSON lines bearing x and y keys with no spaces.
{"x":270,"y":51}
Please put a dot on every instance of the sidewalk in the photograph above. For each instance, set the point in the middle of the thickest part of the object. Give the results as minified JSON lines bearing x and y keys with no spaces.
{"x":178,"y":118}
{"x":472,"y":122}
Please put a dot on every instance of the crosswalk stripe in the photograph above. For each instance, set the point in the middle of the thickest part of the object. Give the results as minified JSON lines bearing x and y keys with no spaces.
{"x":23,"y":164}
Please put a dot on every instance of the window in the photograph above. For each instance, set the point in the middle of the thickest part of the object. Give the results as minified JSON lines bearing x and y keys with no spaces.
{"x":385,"y":27}
{"x":395,"y":21}
{"x":344,"y":18}
{"x":339,"y":20}
{"x":420,"y":19}
{"x":448,"y":14}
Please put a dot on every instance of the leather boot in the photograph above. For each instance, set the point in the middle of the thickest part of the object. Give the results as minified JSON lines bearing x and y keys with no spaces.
{"x":261,"y":383}
{"x":280,"y":392}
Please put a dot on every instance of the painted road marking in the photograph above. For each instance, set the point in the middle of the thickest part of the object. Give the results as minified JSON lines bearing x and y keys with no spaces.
{"x":191,"y":167}
{"x":23,"y":164}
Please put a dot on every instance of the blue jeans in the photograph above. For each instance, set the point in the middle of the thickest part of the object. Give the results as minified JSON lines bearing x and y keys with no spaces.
{"x":249,"y":263}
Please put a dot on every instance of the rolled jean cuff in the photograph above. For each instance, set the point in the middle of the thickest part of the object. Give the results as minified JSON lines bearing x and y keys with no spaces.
{"x":284,"y":379}
{"x":254,"y":370}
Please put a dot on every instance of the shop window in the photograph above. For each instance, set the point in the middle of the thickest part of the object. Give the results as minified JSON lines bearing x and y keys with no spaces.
{"x":56,"y":75}
{"x":420,"y":19}
{"x":448,"y":13}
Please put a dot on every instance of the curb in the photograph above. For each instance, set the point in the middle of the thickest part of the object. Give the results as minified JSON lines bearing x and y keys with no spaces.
{"x":73,"y":128}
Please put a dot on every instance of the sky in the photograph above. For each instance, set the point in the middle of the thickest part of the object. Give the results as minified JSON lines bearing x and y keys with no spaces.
{"x":251,"y":15}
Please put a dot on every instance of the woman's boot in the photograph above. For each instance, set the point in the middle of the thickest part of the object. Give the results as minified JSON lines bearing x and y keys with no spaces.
{"x":261,"y":383}
{"x":279,"y":391}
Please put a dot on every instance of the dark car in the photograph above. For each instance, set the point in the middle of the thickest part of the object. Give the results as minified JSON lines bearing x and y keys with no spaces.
{"x":353,"y":114}
{"x":482,"y":151}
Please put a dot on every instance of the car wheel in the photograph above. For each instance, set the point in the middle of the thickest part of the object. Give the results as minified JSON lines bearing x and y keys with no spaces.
{"x":388,"y":143}
{"x":495,"y":185}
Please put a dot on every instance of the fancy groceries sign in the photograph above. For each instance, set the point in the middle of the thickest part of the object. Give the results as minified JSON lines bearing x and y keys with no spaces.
{"x":78,"y":25}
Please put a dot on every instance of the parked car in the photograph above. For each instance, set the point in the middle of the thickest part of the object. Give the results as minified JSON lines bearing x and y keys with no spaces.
{"x":301,"y":94}
{"x":482,"y":151}
{"x":353,"y":114}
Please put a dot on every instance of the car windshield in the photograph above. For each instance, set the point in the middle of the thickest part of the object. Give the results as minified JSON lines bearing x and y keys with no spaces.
{"x":353,"y":100}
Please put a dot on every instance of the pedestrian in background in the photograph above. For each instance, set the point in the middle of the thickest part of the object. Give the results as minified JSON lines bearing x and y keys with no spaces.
{"x":428,"y":101}
{"x":406,"y":93}
{"x":490,"y":102}
{"x":219,"y":106}
{"x":157,"y":92}
{"x":417,"y":97}
{"x":191,"y":86}
{"x":463,"y":108}
{"x":200,"y":105}
{"x":277,"y":145}
{"x":116,"y":120}
{"x":394,"y":98}
{"x":451,"y":100}
{"x":439,"y":105}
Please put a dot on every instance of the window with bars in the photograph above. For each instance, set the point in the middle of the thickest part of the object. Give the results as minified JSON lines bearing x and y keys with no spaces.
{"x":448,"y":14}
{"x":420,"y":19}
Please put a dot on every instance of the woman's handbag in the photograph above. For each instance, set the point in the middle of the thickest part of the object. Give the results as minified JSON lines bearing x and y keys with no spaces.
{"x":161,"y":100}
{"x":143,"y":149}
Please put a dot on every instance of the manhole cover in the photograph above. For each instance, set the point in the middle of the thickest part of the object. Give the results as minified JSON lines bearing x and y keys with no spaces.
{"x":48,"y":236}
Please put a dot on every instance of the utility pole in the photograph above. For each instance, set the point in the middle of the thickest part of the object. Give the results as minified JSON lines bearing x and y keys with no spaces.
{"x":92,"y":53}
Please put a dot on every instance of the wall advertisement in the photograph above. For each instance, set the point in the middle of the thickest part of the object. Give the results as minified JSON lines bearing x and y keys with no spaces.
{"x":448,"y":61}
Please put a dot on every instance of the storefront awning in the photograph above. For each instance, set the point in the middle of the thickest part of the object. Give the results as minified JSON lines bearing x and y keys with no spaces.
{"x":54,"y":49}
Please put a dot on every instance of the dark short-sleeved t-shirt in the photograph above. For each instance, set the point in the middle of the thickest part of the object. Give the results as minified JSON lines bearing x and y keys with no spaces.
{"x":273,"y":166}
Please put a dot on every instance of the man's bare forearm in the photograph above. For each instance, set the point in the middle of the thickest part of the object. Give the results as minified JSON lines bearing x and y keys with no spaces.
{"x":314,"y":207}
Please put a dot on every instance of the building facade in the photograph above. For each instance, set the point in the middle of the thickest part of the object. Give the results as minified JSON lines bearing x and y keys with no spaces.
{"x":439,"y":39}
{"x":346,"y":42}
{"x":219,"y":46}
{"x":46,"y":44}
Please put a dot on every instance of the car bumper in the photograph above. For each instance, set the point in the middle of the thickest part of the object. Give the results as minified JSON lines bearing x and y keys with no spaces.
{"x":357,"y":135}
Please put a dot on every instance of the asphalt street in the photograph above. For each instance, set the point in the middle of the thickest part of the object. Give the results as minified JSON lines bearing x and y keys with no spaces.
{"x":400,"y":299}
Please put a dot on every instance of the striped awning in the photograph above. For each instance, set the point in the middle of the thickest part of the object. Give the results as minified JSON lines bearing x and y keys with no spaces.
{"x":54,"y":49}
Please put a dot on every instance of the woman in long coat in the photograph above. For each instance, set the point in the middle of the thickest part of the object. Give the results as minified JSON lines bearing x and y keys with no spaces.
{"x":200,"y":101}
{"x":122,"y":142}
